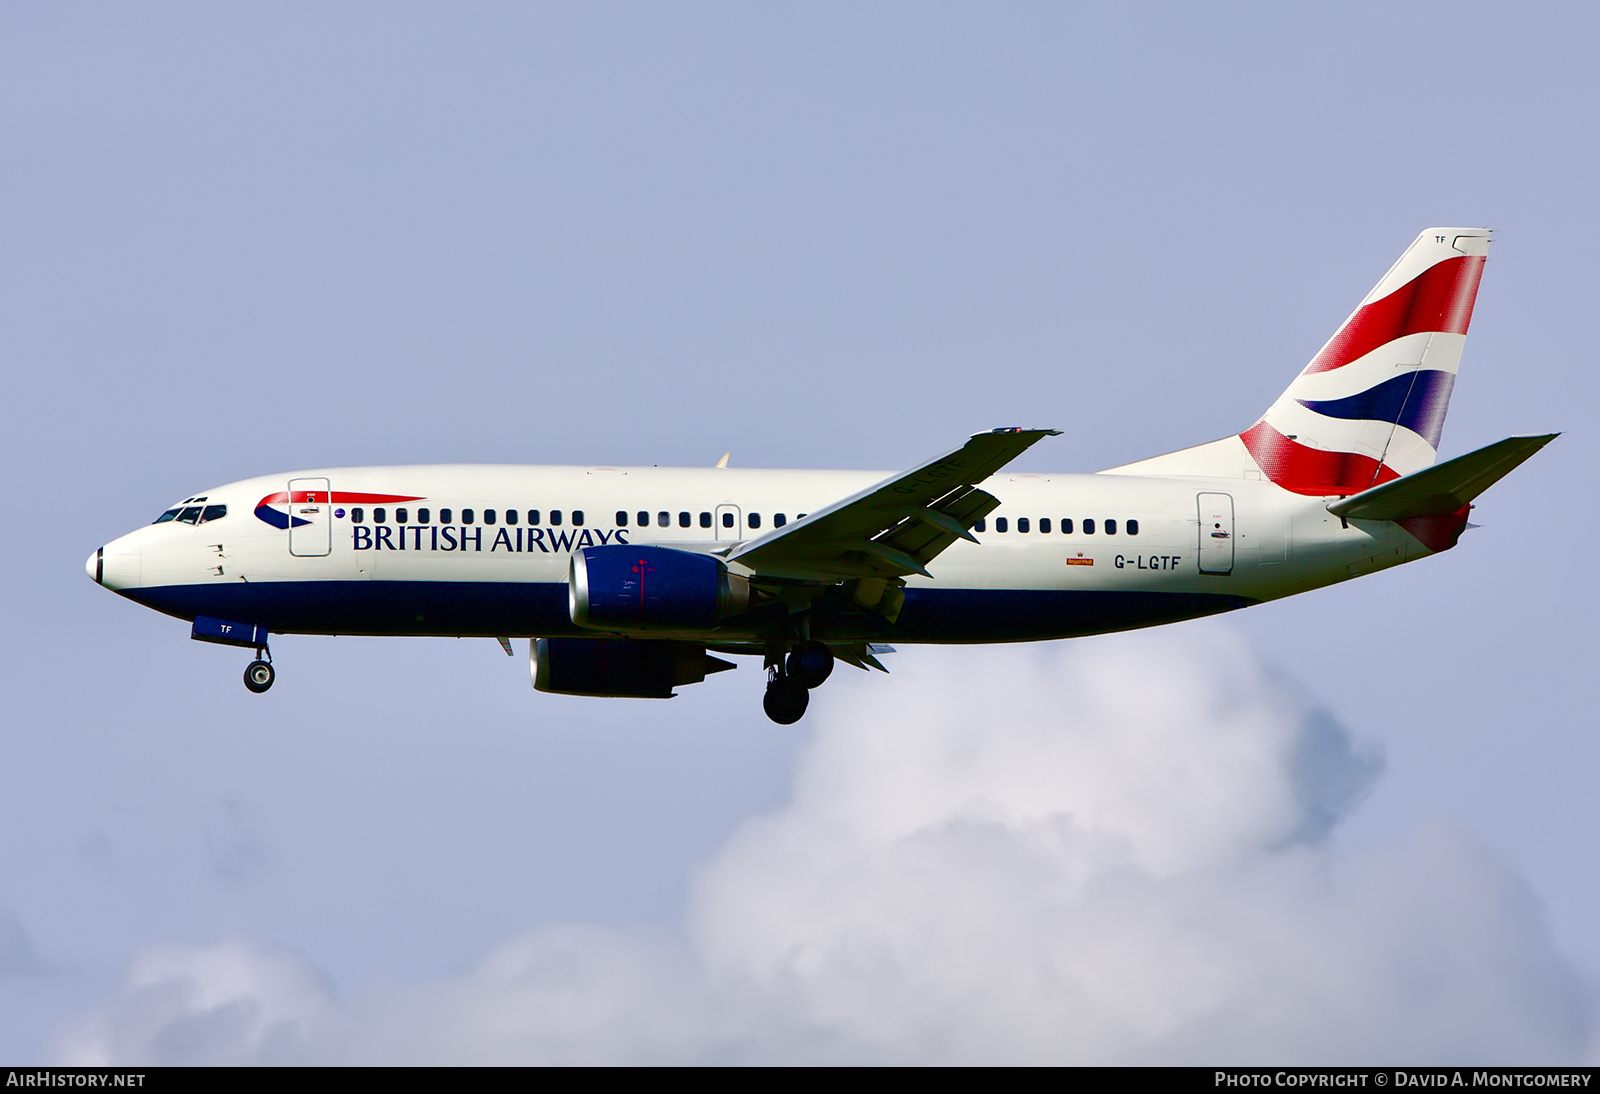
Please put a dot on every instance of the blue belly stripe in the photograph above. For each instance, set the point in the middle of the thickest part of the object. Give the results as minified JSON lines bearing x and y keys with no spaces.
{"x":527,"y":609}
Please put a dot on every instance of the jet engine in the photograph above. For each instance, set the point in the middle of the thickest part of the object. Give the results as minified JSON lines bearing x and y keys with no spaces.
{"x":625,"y":588}
{"x":619,"y":667}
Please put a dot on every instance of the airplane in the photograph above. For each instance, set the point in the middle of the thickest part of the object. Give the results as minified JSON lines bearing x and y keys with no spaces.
{"x":630,"y":581}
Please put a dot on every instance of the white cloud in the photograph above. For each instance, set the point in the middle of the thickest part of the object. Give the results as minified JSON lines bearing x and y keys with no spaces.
{"x":204,"y":1005}
{"x":1107,"y":851}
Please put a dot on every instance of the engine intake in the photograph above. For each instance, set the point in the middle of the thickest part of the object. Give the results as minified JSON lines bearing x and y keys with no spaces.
{"x":625,"y":588}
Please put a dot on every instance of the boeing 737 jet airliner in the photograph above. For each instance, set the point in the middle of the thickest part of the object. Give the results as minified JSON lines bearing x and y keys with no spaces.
{"x":629,"y":580}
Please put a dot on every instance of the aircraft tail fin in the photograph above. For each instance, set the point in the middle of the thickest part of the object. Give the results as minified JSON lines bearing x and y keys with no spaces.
{"x":1370,"y":406}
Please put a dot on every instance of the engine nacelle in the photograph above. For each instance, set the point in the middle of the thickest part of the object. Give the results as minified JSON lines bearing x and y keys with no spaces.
{"x":625,"y":588}
{"x":623,"y":668}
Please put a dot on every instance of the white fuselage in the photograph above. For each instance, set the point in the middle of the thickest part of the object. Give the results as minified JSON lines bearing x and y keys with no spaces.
{"x":503,"y":570}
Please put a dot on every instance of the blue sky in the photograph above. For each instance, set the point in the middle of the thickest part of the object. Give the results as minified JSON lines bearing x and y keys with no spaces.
{"x":243,"y":240}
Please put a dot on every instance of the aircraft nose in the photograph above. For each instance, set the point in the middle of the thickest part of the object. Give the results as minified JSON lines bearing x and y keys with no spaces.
{"x":117,"y":564}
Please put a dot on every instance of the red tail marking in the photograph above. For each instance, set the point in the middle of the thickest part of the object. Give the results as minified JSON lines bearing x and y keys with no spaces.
{"x":1440,"y":298}
{"x":1312,"y":471}
{"x":1437,"y":531}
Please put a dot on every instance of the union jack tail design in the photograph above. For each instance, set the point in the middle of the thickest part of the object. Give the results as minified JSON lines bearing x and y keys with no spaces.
{"x":1371,"y":404}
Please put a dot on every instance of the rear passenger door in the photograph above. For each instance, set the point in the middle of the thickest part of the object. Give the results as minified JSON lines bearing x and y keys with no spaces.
{"x":1216,"y":533}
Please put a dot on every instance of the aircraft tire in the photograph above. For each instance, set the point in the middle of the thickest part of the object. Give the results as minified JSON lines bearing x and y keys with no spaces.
{"x":258,"y":676}
{"x":786,"y":700}
{"x":811,"y":663}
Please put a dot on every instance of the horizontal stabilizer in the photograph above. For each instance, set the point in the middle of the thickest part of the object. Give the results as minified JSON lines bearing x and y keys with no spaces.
{"x":1444,"y":487}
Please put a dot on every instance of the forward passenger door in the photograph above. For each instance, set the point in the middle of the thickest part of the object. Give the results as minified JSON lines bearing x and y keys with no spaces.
{"x":310,"y":517}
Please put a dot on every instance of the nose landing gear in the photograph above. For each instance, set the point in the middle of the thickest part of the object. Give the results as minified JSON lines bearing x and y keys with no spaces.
{"x":258,"y":674}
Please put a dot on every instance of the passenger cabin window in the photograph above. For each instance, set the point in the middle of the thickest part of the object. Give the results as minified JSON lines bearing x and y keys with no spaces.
{"x":444,"y":516}
{"x":1001,"y":524}
{"x":555,"y":517}
{"x":511,"y":516}
{"x":380,"y":516}
{"x":358,"y":515}
{"x":1066,"y":526}
{"x":622,"y":518}
{"x":1133,"y":527}
{"x":1088,"y":526}
{"x":643,"y":518}
{"x":577,"y":518}
{"x":170,"y":514}
{"x":1022,"y":524}
{"x":981,"y":526}
{"x":533,"y":516}
{"x":466,"y":516}
{"x":664,"y":520}
{"x":488,"y":516}
{"x":705,"y":520}
{"x":400,"y":516}
{"x":727,"y":520}
{"x":683,"y":520}
{"x":1044,"y":525}
{"x":779,"y":520}
{"x":424,"y":516}
{"x":753,"y":519}
{"x":1111,"y":526}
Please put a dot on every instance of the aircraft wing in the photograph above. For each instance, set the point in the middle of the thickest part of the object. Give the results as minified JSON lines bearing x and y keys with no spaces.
{"x":896,"y":527}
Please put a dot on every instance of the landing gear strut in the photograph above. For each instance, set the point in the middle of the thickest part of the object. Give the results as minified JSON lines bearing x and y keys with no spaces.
{"x":258,"y":674}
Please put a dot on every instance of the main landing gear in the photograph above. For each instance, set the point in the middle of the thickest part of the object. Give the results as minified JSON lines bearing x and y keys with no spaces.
{"x":791,"y":679}
{"x":258,"y":674}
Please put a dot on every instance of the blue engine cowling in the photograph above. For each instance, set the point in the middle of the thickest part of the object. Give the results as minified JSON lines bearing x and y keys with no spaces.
{"x":619,"y":667}
{"x":626,"y":588}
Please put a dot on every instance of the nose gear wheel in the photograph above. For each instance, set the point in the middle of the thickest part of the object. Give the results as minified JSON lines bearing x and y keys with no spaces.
{"x":258,"y":676}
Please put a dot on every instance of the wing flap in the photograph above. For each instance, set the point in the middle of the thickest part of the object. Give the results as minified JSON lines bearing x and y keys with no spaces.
{"x":928,"y":531}
{"x":896,"y":527}
{"x":863,"y":655}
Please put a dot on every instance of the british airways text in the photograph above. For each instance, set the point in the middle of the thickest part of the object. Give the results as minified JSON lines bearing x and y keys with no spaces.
{"x":419,"y":537}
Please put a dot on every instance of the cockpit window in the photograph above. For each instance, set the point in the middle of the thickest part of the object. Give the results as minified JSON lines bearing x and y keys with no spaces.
{"x":168,"y":515}
{"x":213,"y":512}
{"x":190,"y":515}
